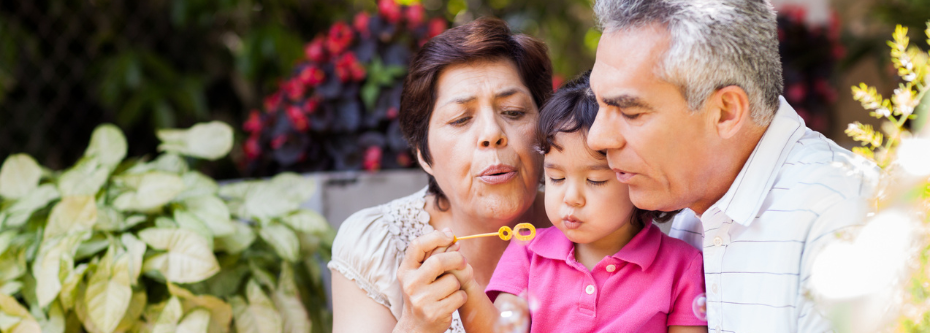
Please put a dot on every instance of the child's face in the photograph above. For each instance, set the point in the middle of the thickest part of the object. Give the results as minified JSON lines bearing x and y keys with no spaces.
{"x":584,"y":199}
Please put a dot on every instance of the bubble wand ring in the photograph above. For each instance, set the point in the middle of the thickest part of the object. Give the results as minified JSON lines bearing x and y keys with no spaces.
{"x":505,"y":233}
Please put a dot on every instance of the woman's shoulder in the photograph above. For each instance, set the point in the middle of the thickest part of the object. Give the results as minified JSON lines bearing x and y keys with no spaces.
{"x":397,"y":222}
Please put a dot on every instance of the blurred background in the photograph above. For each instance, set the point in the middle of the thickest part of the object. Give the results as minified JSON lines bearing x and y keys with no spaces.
{"x":314,"y":85}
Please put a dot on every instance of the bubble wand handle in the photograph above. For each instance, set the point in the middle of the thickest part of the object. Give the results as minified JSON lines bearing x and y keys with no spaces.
{"x":505,"y":233}
{"x":456,"y":239}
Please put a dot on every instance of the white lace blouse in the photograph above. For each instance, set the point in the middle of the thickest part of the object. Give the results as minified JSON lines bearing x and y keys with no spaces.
{"x":371,"y":243}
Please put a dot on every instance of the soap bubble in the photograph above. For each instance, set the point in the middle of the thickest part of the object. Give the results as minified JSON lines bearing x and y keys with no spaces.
{"x":515,"y":316}
{"x":699,"y":306}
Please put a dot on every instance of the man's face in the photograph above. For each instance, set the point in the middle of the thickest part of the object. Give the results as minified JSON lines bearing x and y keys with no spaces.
{"x":654,"y":143}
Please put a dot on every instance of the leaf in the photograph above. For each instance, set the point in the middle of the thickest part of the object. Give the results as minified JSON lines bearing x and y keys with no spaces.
{"x":47,"y":266}
{"x":22,"y":209}
{"x":56,"y":320}
{"x":236,"y":242}
{"x":237,"y":190}
{"x":109,"y":219}
{"x":136,"y":307}
{"x":196,"y":185}
{"x":196,"y":321}
{"x":13,"y":262}
{"x":212,"y":211}
{"x":71,"y":214}
{"x":108,"y":293}
{"x":282,"y":239}
{"x":23,"y":322}
{"x":286,"y":299}
{"x":107,"y":145}
{"x":189,"y":258}
{"x":210,"y":141}
{"x":6,"y":238}
{"x":256,"y":316}
{"x":170,"y":163}
{"x":220,"y":313}
{"x":84,"y":178}
{"x":69,"y":286}
{"x":10,"y":287}
{"x":136,"y":250}
{"x":306,"y":221}
{"x":190,"y":222}
{"x":152,"y":190}
{"x":19,"y":175}
{"x":168,"y":319}
{"x":281,"y":195}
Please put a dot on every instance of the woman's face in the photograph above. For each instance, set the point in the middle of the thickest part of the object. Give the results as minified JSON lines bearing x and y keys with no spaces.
{"x":481,"y":137}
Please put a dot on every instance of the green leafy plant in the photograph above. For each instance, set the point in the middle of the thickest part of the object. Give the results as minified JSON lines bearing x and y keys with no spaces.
{"x":136,"y":245}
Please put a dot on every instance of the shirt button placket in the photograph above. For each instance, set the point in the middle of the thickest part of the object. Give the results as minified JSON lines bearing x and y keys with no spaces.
{"x":611,"y":268}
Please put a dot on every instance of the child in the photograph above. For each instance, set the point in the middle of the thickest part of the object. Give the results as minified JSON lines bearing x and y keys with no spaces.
{"x":604,"y":267}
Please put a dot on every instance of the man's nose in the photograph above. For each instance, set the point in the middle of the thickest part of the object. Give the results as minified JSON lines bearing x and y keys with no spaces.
{"x":604,"y":133}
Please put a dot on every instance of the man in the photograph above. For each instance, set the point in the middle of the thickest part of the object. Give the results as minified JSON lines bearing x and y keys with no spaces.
{"x":691,"y":118}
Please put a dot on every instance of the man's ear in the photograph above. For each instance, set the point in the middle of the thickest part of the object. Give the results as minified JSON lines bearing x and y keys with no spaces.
{"x":426,"y":167}
{"x":730,"y":107}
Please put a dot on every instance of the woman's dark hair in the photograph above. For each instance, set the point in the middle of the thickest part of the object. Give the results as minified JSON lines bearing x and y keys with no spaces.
{"x":571,"y":109}
{"x":484,"y":39}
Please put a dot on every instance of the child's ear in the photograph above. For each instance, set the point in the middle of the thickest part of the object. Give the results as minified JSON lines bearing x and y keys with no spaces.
{"x":426,"y":167}
{"x":729,"y":110}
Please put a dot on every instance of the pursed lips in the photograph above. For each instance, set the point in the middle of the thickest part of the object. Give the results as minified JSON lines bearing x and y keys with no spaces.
{"x":497,"y":174}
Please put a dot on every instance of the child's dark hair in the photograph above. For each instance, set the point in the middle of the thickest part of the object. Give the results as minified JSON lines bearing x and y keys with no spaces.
{"x":571,"y":109}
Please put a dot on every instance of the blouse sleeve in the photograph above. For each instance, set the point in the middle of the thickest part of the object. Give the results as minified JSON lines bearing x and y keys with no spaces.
{"x":685,"y":298}
{"x":512,"y":273}
{"x":363,"y":252}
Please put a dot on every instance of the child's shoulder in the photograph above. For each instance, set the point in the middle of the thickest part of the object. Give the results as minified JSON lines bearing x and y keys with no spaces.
{"x":676,"y":250}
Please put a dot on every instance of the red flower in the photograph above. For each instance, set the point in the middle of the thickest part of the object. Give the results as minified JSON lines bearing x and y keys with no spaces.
{"x":278,"y":141}
{"x":315,"y":51}
{"x":796,"y":92}
{"x":404,"y":160}
{"x":312,"y":76}
{"x":348,"y":68}
{"x":311,"y":105}
{"x":557,"y":82}
{"x":435,"y":27}
{"x":372,"y":159}
{"x":294,"y":89}
{"x":297,"y":118}
{"x":360,"y":23}
{"x":272,"y":102}
{"x":391,"y":113}
{"x":389,"y":10}
{"x":251,"y":147}
{"x":254,"y":123}
{"x":339,"y":38}
{"x":415,"y":15}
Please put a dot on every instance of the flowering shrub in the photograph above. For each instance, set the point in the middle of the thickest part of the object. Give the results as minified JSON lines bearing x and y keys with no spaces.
{"x":338,"y":108}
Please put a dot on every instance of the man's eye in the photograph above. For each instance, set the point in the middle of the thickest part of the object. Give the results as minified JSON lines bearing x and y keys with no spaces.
{"x":631,"y":116}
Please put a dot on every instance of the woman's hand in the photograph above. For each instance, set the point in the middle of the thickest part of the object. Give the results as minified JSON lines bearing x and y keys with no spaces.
{"x":431,"y":294}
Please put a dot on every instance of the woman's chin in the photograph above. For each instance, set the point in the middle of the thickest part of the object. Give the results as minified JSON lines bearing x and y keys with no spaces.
{"x":503,"y":208}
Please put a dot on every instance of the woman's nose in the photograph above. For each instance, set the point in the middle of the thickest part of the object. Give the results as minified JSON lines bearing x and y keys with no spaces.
{"x":492,"y":134}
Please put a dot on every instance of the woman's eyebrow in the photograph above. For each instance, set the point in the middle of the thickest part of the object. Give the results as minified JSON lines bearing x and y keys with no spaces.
{"x":506,"y":93}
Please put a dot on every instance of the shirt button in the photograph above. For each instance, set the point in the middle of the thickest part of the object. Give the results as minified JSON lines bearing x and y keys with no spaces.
{"x":589,"y":289}
{"x":611,"y":268}
{"x":718,"y":241}
{"x":714,"y":288}
{"x":717,"y":329}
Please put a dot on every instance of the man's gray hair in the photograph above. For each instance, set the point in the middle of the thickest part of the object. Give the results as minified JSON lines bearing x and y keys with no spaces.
{"x":714,"y":44}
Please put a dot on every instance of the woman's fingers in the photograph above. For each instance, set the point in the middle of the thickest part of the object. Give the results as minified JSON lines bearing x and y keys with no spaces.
{"x":421,"y":248}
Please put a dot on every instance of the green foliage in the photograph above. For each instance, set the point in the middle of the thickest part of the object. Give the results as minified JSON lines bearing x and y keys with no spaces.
{"x":114,"y":245}
{"x":911,"y":96}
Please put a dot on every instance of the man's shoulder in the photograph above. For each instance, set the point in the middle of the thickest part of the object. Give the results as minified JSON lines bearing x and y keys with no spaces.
{"x":817,"y":166}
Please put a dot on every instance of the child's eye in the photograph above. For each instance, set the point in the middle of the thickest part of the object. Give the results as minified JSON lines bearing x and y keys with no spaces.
{"x":597,"y":183}
{"x":556,"y":180}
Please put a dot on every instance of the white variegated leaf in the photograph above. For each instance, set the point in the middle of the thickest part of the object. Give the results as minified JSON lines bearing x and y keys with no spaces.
{"x":206,"y":140}
{"x":70,"y":215}
{"x":19,"y":175}
{"x":136,"y":250}
{"x":84,"y":178}
{"x":197,"y":321}
{"x":151,"y":191}
{"x":108,"y":293}
{"x":236,"y":242}
{"x":107,"y":145}
{"x":212,"y":212}
{"x":306,"y":221}
{"x":168,"y":319}
{"x":282,"y":239}
{"x":189,"y":258}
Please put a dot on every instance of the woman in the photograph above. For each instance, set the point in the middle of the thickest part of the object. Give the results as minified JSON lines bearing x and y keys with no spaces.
{"x":469,"y":109}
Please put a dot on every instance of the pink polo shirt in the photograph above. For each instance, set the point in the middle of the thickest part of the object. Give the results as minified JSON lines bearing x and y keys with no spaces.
{"x":648,"y":285}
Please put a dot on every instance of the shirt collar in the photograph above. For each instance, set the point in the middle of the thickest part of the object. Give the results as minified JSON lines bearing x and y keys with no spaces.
{"x":551,"y":243}
{"x":748,"y":191}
